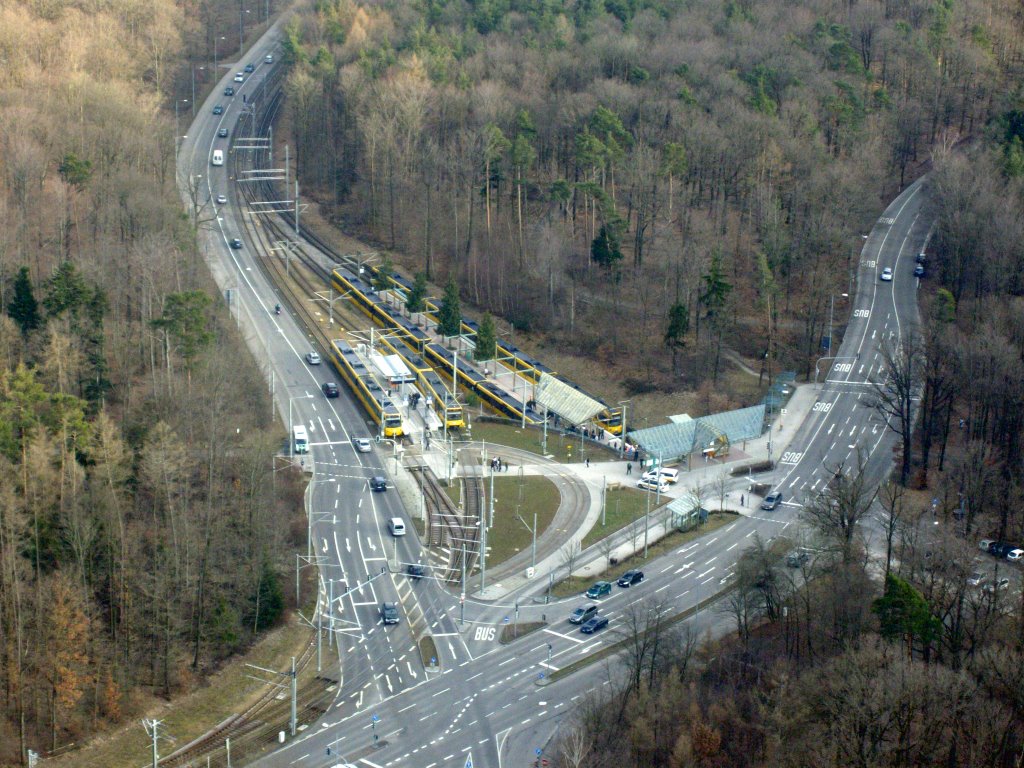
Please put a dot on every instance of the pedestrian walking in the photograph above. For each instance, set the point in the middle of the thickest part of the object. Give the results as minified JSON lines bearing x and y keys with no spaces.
{"x":743,"y":502}
{"x":588,"y":462}
{"x":629,"y":468}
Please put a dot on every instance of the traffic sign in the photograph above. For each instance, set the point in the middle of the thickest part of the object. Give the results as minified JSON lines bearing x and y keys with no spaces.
{"x":469,"y":760}
{"x":505,"y":620}
{"x":376,"y":719}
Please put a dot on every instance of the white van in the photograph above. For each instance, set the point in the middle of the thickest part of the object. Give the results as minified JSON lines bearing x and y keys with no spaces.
{"x":300,"y":440}
{"x":665,"y":474}
{"x":218,"y":157}
{"x":396,"y":526}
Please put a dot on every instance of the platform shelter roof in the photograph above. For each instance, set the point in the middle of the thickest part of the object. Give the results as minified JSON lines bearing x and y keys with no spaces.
{"x":683,"y":437}
{"x":569,"y":403}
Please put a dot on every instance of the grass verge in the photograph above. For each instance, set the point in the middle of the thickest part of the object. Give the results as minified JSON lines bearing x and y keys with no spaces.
{"x":563,"y":448}
{"x":575,"y":585}
{"x":226,"y":692}
{"x":428,"y":650}
{"x":622,"y":507}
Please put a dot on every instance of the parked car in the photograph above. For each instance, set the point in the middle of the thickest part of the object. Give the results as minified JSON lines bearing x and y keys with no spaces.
{"x":920,"y":258}
{"x":218,"y":109}
{"x":378,"y":483}
{"x":389,"y":613}
{"x":629,"y":578}
{"x":313,"y":358}
{"x":984,"y":544}
{"x":797,"y":559}
{"x":363,"y":444}
{"x":1001,"y":548}
{"x":583,"y":613}
{"x":593,"y":624}
{"x":330,"y":389}
{"x":415,"y":571}
{"x":236,"y":243}
{"x":886,"y":276}
{"x":269,"y":58}
{"x":600,"y":589}
{"x":977,"y":578}
{"x":652,"y":485}
{"x":229,"y":91}
{"x":998,"y":585}
{"x":772,"y":500}
{"x":1015,"y":555}
{"x":222,"y":133}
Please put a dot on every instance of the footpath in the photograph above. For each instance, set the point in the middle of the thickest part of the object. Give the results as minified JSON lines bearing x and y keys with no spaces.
{"x":513,"y":577}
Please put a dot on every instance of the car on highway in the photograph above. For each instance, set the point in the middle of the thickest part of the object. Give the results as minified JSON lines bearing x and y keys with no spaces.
{"x":797,"y":559}
{"x":772,"y":501}
{"x":599,"y":589}
{"x":330,"y":389}
{"x":222,"y":133}
{"x":415,"y":571}
{"x":886,"y":276}
{"x":313,"y":358}
{"x":652,"y":485}
{"x":236,"y":243}
{"x":250,"y":67}
{"x":222,"y":199}
{"x":239,"y":77}
{"x":629,"y":578}
{"x":389,"y":613}
{"x":593,"y":624}
{"x":218,"y":109}
{"x":363,"y":444}
{"x":378,"y":484}
{"x":229,"y":91}
{"x":919,"y":270}
{"x":583,"y":614}
{"x":921,"y":257}
{"x":269,"y":58}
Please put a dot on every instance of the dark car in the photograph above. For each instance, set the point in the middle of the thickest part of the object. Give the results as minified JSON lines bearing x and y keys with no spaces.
{"x":629,"y":578}
{"x":389,"y":613}
{"x":919,"y":270}
{"x":222,"y":133}
{"x":378,"y":483}
{"x":218,"y":110}
{"x":797,"y":559}
{"x":599,"y":588}
{"x":1001,"y":548}
{"x":250,"y":67}
{"x":920,"y":258}
{"x":330,"y":389}
{"x":771,"y":501}
{"x":236,"y":243}
{"x":593,"y":624}
{"x":229,"y":91}
{"x":583,"y":614}
{"x":415,"y":571}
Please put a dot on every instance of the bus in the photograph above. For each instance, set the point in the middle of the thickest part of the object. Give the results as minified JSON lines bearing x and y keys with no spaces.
{"x":218,"y":157}
{"x":300,"y":441}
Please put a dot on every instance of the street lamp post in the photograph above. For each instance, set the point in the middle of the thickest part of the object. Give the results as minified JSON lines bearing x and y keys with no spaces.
{"x":831,"y":310}
{"x":215,"y":39}
{"x":194,"y":68}
{"x":622,"y":441}
{"x":177,"y":131}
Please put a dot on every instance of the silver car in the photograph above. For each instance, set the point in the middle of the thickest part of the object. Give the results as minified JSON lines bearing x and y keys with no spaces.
{"x":313,"y":358}
{"x":363,"y":444}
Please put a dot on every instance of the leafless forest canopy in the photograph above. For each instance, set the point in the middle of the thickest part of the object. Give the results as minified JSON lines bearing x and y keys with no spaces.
{"x":584,"y":167}
{"x":141,"y":537}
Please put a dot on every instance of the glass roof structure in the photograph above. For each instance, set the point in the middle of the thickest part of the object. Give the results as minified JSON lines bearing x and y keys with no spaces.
{"x":569,"y":403}
{"x":673,"y":441}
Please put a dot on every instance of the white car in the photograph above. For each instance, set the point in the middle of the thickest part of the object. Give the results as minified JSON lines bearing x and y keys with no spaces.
{"x":240,"y":77}
{"x":652,"y":485}
{"x":363,"y":444}
{"x":269,"y":58}
{"x":313,"y":358}
{"x":1015,"y":555}
{"x":222,"y":199}
{"x":886,"y":276}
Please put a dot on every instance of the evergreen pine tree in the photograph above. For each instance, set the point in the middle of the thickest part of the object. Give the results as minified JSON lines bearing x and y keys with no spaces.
{"x":24,"y":309}
{"x":414,"y":300}
{"x":449,"y":321}
{"x":486,"y":341}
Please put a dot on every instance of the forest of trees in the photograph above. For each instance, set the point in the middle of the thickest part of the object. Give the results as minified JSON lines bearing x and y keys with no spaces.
{"x":143,"y":534}
{"x":697,"y":173}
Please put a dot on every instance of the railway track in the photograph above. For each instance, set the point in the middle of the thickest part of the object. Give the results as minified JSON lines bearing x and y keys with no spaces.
{"x":448,"y":527}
